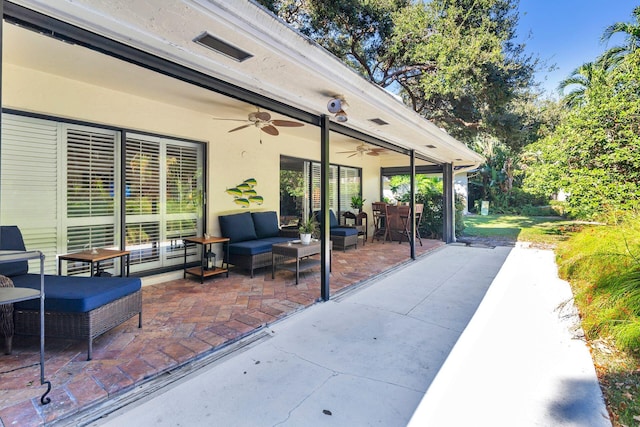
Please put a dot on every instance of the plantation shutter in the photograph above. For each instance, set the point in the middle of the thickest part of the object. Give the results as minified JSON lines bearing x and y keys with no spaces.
{"x":143,"y":199}
{"x":60,"y":184}
{"x":349,"y":187}
{"x":90,"y":191}
{"x":333,"y":189}
{"x":316,"y":185}
{"x":29,"y":183}
{"x":183,"y":198}
{"x":164,"y":199}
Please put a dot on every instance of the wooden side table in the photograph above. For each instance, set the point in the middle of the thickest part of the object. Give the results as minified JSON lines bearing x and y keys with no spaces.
{"x":202,"y":271}
{"x":94,"y":256}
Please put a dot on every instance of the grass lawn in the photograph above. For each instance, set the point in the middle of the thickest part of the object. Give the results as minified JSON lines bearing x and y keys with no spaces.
{"x":541,"y":230}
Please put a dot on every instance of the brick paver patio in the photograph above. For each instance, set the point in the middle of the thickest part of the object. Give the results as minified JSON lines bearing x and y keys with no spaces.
{"x":183,"y":321}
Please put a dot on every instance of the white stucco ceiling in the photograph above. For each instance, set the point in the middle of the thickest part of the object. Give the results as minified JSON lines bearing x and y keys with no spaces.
{"x":285,"y":66}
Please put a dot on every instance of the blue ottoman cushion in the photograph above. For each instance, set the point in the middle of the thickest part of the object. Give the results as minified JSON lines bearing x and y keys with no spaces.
{"x":71,"y":294}
{"x":344,"y":231}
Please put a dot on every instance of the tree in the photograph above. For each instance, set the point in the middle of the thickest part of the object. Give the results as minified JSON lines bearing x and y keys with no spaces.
{"x":631,"y":31}
{"x":477,"y":71}
{"x":579,"y":81}
{"x":593,"y":153}
{"x":356,"y":31}
{"x":453,"y":61}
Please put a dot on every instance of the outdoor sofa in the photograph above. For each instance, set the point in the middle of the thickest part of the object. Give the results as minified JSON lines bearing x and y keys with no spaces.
{"x":251,"y":236}
{"x":75,"y":307}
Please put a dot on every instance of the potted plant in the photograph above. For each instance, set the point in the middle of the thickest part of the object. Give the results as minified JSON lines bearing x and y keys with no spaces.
{"x":357,"y":202}
{"x":307,"y":227}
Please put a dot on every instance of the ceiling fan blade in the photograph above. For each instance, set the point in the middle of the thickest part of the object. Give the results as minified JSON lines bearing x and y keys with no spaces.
{"x":229,"y":120}
{"x":286,"y":123}
{"x":241,"y":127}
{"x":262,"y":115}
{"x":345,"y":152}
{"x":271,"y":130}
{"x":354,"y":154}
{"x":373,"y":153}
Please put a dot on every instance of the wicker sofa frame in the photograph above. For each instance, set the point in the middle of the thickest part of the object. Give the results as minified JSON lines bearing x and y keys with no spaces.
{"x":250,"y":262}
{"x":86,"y":326}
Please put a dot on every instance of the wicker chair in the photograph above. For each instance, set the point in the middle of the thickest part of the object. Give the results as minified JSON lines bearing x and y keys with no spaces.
{"x":75,"y":307}
{"x":6,"y":317}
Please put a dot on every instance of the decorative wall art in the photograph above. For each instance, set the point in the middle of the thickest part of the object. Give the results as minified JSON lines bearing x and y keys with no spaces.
{"x":244,"y":194}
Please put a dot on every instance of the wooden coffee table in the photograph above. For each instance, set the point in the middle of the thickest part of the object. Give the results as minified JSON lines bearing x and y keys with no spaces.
{"x":300,"y":252}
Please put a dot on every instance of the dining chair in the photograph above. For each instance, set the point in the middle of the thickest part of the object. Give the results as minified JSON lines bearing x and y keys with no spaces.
{"x":379,"y":221}
{"x":404,"y":213}
{"x":419,"y":210}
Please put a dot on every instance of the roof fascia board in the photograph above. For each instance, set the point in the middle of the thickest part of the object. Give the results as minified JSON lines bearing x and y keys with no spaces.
{"x":259,"y":24}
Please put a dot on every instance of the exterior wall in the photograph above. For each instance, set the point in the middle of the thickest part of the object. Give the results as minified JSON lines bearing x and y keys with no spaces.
{"x":461,"y":187}
{"x":232,"y":157}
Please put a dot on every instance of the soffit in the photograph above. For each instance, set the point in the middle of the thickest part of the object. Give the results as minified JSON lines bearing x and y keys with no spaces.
{"x":285,"y":66}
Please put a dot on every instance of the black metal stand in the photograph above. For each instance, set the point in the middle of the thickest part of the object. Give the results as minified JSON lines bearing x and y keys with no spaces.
{"x":12,"y":295}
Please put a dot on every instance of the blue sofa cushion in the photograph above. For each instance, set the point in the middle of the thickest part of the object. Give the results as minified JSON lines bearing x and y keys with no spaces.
{"x":250,"y":247}
{"x":333,"y":220}
{"x":237,"y":227}
{"x":343,"y":231}
{"x":73,"y":294}
{"x":255,"y":247}
{"x":11,"y":240}
{"x":266,"y":224}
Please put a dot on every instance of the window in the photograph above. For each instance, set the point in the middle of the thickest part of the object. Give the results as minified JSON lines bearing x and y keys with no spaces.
{"x":350,"y":186}
{"x":90,"y":191}
{"x":164,"y":199}
{"x":300,"y":188}
{"x":29,"y":176}
{"x":61,"y":184}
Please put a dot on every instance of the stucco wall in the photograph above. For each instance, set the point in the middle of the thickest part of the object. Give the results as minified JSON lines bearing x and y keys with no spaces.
{"x":232,"y":157}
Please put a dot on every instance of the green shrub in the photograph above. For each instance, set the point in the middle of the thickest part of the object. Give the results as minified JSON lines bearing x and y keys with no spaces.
{"x":529,"y":210}
{"x":603,"y":265}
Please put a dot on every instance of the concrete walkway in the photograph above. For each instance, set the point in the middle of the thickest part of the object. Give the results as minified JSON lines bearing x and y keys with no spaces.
{"x":382,"y":355}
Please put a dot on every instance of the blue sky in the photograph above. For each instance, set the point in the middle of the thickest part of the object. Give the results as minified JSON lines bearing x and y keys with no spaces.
{"x":567,"y":32}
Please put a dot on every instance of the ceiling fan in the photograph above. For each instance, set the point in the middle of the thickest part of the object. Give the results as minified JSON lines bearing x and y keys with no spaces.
{"x":363,"y":149}
{"x":262,"y":121}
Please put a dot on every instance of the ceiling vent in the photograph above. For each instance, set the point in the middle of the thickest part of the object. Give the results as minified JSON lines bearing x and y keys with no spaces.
{"x":379,"y":122}
{"x":207,"y":40}
{"x":430,"y":146}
